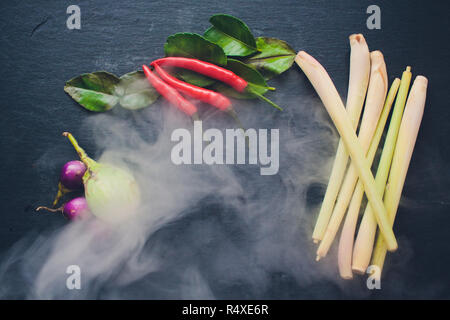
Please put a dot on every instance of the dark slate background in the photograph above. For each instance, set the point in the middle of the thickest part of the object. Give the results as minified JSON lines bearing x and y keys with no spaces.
{"x":38,"y":54}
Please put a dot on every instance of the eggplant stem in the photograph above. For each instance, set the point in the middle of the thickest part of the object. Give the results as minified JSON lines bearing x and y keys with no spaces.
{"x":61,"y":192}
{"x":81,"y":153}
{"x":49,"y":209}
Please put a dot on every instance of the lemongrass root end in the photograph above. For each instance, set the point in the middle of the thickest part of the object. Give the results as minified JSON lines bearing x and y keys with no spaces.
{"x":358,"y":270}
{"x":376,"y":54}
{"x":357,"y":37}
{"x":347,"y":277}
{"x":422,"y":79}
{"x":302,"y":55}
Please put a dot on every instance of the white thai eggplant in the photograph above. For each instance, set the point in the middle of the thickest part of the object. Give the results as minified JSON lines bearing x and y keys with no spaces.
{"x":112,"y":193}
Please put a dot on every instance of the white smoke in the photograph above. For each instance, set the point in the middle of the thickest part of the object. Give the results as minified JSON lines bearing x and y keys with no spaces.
{"x":220,"y":231}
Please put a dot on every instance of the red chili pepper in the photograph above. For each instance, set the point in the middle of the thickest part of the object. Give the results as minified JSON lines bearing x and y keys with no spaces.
{"x":213,"y":98}
{"x":205,"y":68}
{"x":171,"y":94}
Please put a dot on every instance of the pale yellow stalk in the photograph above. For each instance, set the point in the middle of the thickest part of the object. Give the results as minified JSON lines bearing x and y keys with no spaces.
{"x":376,"y":96}
{"x":406,"y":140}
{"x":327,"y":92}
{"x":357,"y":87}
{"x":362,"y":250}
{"x":348,"y":230}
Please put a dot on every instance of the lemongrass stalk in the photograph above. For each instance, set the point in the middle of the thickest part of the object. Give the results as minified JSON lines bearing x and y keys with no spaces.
{"x":404,"y":148}
{"x":357,"y":87}
{"x":362,"y":250}
{"x":327,"y":92}
{"x":348,"y":230}
{"x":376,"y":94}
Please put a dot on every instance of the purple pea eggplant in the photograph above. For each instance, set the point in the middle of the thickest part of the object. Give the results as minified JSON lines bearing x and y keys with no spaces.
{"x":76,"y":208}
{"x":71,"y":178}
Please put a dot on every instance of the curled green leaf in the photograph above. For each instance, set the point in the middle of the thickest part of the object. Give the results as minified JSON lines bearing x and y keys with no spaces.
{"x":232,"y":34}
{"x":275,"y":57}
{"x":193,"y":45}
{"x":135,"y":92}
{"x":94,"y":91}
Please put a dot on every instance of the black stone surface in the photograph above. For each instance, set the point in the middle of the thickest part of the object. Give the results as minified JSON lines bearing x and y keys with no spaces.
{"x":38,"y":54}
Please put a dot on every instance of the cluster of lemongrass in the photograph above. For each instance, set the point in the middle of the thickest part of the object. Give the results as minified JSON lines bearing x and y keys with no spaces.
{"x":368,"y":81}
